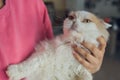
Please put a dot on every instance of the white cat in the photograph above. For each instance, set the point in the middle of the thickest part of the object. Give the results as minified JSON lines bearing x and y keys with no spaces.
{"x":53,"y":59}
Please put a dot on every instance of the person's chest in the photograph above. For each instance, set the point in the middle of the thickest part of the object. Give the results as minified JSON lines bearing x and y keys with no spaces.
{"x":21,"y":27}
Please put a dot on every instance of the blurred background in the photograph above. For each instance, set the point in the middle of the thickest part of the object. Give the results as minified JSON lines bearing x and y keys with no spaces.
{"x":108,"y":10}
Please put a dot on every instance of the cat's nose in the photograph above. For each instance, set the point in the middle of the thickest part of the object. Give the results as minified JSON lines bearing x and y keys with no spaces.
{"x":71,"y":17}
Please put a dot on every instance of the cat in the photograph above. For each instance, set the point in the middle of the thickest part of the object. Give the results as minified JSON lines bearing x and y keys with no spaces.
{"x":53,"y":59}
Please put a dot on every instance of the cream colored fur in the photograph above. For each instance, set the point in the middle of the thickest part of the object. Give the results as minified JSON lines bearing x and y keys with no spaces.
{"x":53,"y":60}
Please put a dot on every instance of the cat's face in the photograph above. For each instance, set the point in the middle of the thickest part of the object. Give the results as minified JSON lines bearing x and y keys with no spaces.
{"x":85,"y":22}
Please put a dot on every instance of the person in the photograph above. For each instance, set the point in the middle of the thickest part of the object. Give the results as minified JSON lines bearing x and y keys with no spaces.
{"x":23,"y":23}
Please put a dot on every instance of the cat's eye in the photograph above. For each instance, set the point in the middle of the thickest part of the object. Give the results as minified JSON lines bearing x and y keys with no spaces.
{"x":86,"y":21}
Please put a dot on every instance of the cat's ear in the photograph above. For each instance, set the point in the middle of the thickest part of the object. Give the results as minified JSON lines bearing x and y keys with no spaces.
{"x":107,"y":25}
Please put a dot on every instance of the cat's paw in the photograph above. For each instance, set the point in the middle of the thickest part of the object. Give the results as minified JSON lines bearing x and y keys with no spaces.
{"x":13,"y":72}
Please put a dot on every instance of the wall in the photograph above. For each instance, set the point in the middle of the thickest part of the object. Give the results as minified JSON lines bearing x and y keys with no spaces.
{"x":75,"y":4}
{"x":101,"y":9}
{"x":59,"y":4}
{"x":106,"y":9}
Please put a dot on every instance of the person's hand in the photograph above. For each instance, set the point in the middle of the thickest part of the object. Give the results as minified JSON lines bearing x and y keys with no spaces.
{"x":91,"y":60}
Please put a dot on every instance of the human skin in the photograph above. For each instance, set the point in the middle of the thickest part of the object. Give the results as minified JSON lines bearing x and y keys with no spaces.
{"x":92,"y":60}
{"x":1,"y":4}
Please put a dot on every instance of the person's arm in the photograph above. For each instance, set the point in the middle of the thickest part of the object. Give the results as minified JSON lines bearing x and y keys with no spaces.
{"x":1,"y":4}
{"x":47,"y":24}
{"x":92,"y":61}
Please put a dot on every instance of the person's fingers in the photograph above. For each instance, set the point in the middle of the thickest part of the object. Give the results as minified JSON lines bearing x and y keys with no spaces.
{"x":97,"y":53}
{"x":86,"y":54}
{"x":88,"y":46}
{"x":91,"y":47}
{"x":102,"y":42}
{"x":92,"y":56}
{"x":94,"y":50}
{"x":24,"y":79}
{"x":81,"y":60}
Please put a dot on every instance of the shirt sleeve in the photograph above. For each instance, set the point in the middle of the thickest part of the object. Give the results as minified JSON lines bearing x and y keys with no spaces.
{"x":47,"y":24}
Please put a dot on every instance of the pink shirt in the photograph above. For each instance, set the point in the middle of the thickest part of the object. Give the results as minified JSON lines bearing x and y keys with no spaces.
{"x":23,"y":23}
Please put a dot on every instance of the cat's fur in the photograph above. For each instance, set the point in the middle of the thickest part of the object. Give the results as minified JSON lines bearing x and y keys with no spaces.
{"x":53,"y":60}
